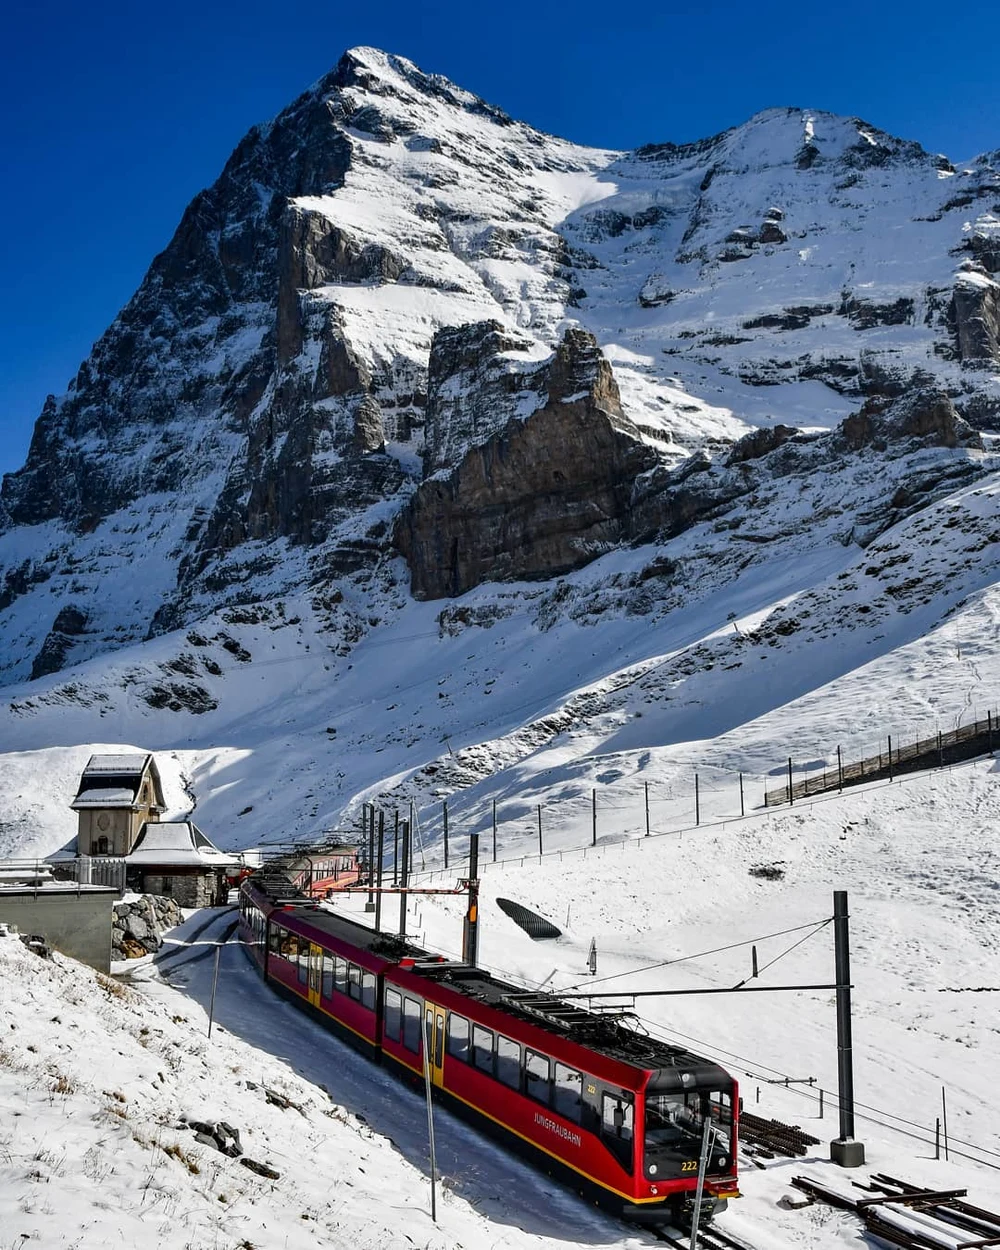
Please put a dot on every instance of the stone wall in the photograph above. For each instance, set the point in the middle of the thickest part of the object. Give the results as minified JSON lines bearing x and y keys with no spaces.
{"x":138,"y":926}
{"x":194,"y":889}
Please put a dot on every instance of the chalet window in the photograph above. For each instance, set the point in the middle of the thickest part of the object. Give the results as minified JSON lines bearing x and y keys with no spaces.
{"x":458,"y":1037}
{"x":327,"y":975}
{"x":537,"y":1084}
{"x":102,"y":846}
{"x":567,"y":1090}
{"x":368,"y":990}
{"x":411,"y":1025}
{"x":393,"y":1015}
{"x":508,"y":1061}
{"x":482,"y":1048}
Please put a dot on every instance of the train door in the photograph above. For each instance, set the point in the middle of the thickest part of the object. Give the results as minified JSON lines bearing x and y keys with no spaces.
{"x":434,"y":1040}
{"x":315,"y":972}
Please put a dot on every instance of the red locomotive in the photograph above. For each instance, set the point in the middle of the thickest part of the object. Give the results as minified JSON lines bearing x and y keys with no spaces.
{"x":616,"y":1114}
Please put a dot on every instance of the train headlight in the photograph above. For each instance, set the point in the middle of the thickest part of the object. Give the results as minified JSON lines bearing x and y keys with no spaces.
{"x":652,"y":1169}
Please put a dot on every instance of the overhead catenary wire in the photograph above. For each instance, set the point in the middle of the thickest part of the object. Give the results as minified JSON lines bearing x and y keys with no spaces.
{"x":814,"y":925}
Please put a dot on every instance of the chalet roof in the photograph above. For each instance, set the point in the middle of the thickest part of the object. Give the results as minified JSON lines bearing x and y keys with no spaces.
{"x":114,"y":781}
{"x":177,"y":844}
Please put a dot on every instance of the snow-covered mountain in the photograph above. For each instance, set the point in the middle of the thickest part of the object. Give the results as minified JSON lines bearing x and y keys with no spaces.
{"x":432,"y":444}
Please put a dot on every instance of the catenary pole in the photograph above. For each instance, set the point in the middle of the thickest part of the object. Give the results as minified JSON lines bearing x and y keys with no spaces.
{"x":845,"y":1150}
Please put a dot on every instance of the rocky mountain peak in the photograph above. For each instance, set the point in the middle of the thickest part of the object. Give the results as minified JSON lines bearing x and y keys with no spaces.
{"x":401,"y":322}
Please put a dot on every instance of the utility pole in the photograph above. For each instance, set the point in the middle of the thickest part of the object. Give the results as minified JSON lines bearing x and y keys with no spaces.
{"x":378,"y":872}
{"x":370,"y":905}
{"x":404,"y":878}
{"x":470,"y":930}
{"x":494,"y":831}
{"x":845,"y":1150}
{"x":445,"y":818}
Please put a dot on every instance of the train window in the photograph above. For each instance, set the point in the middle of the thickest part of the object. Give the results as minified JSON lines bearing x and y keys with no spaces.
{"x":508,"y":1061}
{"x":411,"y":1025}
{"x":327,"y":991}
{"x":303,"y":958}
{"x":393,"y":1021}
{"x":616,"y":1126}
{"x":537,"y":1084}
{"x":567,"y":1089}
{"x":368,"y":990}
{"x":277,"y":936}
{"x":354,"y":980}
{"x":482,"y":1048}
{"x":458,"y":1037}
{"x":340,"y":974}
{"x":616,"y":1117}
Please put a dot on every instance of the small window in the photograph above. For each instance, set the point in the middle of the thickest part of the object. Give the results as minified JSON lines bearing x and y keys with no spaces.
{"x":458,"y":1037}
{"x":482,"y":1048}
{"x":567,"y":1088}
{"x":508,"y":1061}
{"x":102,"y":846}
{"x":354,"y":981}
{"x":536,"y":1077}
{"x":303,"y":961}
{"x":277,"y":934}
{"x":368,"y":990}
{"x":327,"y":975}
{"x":411,"y":1025}
{"x":340,"y":974}
{"x":393,"y":1021}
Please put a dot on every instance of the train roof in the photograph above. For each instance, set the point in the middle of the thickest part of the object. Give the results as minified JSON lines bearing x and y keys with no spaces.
{"x":603,"y":1032}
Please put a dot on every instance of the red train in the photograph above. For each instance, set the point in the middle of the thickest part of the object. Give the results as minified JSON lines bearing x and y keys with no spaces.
{"x":616,"y":1114}
{"x":322,"y":873}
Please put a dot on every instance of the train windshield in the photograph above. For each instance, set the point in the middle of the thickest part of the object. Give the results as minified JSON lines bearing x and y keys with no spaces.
{"x":675,"y":1125}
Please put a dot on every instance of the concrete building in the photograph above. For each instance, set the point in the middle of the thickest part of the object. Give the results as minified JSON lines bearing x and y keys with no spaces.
{"x":118,"y":795}
{"x":174,"y":857}
{"x":74,"y":919}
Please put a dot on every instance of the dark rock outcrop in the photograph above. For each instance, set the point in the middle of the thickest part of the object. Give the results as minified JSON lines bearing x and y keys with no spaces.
{"x":542,"y":497}
{"x":976,"y":305}
{"x":69,"y":624}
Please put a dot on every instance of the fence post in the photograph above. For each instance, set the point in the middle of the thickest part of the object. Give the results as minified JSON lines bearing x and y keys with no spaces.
{"x":940,"y":751}
{"x":697,"y":802}
{"x":791,"y":798}
{"x":821,"y":1104}
{"x":494,"y":831}
{"x":989,"y":728}
{"x":593,"y":817}
{"x":840,"y":771}
{"x":890,"y":757}
{"x":646,"y":788}
{"x":742,"y":808}
{"x":540,"y":850}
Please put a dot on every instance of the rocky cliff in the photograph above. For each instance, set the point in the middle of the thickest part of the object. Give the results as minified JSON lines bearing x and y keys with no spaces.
{"x":401,"y":322}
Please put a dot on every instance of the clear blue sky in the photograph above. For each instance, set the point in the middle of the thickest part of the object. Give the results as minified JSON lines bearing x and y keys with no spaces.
{"x":116,"y":113}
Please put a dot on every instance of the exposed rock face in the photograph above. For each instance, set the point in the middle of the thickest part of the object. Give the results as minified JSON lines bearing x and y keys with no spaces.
{"x":977,"y":316}
{"x":543,"y":496}
{"x":478,"y":374}
{"x":70,"y":623}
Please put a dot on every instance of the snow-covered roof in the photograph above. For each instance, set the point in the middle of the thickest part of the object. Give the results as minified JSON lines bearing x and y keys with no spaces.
{"x":133,"y":765}
{"x":177,"y":843}
{"x":114,"y":781}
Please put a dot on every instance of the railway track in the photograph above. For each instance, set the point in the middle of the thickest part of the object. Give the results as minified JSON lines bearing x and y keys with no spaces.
{"x":711,"y":1238}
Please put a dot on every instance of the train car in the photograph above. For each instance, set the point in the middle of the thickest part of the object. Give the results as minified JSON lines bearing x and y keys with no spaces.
{"x":321,"y":873}
{"x":616,"y":1114}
